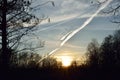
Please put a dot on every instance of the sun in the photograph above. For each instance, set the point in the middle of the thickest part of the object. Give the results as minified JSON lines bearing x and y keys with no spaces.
{"x":66,"y":61}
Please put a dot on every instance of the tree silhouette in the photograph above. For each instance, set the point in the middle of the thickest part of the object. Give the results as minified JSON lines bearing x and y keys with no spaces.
{"x":110,"y":50}
{"x":106,"y":56}
{"x":49,"y":62}
{"x":93,"y":53}
{"x":113,"y":9}
{"x":107,"y":52}
{"x":116,"y":47}
{"x":16,"y":21}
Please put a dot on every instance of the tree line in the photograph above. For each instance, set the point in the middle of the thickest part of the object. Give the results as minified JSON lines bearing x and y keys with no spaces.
{"x":107,"y":54}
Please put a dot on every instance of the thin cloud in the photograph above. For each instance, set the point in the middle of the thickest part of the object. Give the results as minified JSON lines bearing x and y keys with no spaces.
{"x":85,"y":23}
{"x":81,"y":27}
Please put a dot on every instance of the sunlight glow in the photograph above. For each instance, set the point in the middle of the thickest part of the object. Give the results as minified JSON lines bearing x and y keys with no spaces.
{"x":66,"y":61}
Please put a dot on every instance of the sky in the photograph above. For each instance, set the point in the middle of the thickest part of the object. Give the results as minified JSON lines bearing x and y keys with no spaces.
{"x":67,"y":16}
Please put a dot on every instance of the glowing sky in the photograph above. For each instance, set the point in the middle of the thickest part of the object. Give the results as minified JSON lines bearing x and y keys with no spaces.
{"x":67,"y":16}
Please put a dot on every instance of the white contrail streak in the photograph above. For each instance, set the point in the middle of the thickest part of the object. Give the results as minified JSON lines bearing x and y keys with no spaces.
{"x":66,"y":20}
{"x":53,"y":25}
{"x":85,"y":23}
{"x":65,"y":35}
{"x":53,"y":51}
{"x":71,"y":34}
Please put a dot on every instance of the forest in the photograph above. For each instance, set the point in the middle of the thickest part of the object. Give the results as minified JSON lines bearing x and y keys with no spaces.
{"x":103,"y":62}
{"x":18,"y":61}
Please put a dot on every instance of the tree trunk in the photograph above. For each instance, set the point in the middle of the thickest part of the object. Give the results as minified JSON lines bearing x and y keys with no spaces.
{"x":4,"y":54}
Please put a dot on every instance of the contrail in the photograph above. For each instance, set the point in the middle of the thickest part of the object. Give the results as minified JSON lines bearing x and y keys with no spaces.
{"x":66,"y":35}
{"x":66,"y":20}
{"x":85,"y":23}
{"x":53,"y":25}
{"x":69,"y":35}
{"x":53,"y":51}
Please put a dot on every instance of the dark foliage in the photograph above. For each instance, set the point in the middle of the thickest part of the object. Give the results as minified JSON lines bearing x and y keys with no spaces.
{"x":17,"y":21}
{"x":108,"y":54}
{"x":103,"y":60}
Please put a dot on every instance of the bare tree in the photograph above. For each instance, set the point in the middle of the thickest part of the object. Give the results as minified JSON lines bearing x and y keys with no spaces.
{"x":93,"y":53}
{"x":113,"y":9}
{"x":107,"y":53}
{"x":16,"y":21}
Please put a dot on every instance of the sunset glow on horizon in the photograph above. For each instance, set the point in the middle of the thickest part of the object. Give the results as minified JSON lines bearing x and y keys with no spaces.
{"x":65,"y":60}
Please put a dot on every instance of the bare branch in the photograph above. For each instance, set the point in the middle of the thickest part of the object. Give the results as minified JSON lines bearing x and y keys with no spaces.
{"x":37,"y":6}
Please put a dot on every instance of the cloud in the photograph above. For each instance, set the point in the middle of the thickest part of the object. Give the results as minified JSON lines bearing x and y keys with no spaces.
{"x":60,"y":18}
{"x":73,"y":46}
{"x":72,"y":6}
{"x":81,"y":27}
{"x":70,"y":10}
{"x":63,"y":7}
